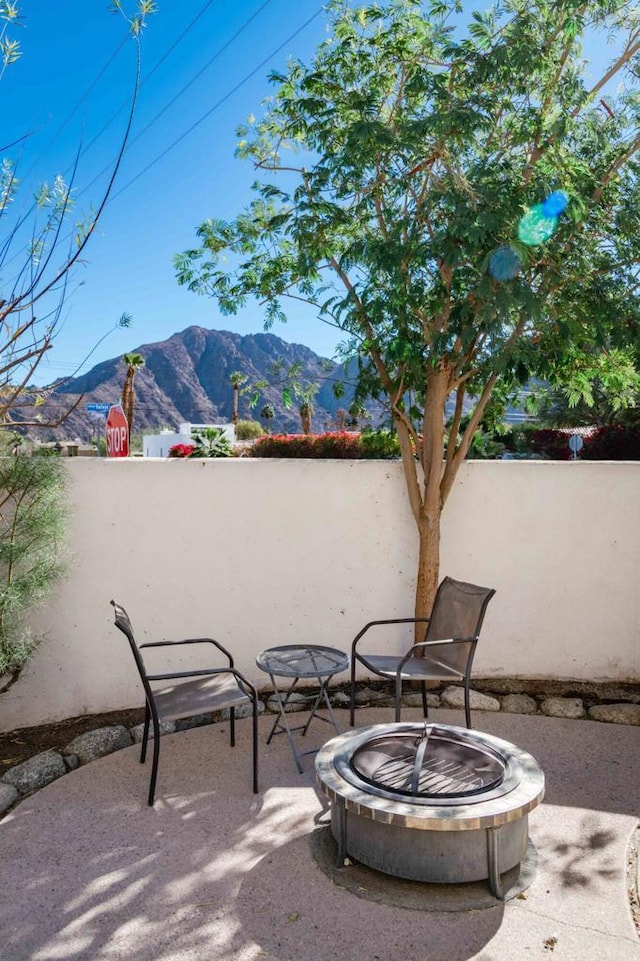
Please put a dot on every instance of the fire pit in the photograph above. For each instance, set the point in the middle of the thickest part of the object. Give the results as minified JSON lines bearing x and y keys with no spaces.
{"x":430,"y":802}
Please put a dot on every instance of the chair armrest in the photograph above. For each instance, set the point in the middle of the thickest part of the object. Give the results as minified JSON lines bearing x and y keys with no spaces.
{"x":191,"y":640}
{"x":440,"y":643}
{"x":391,"y":620}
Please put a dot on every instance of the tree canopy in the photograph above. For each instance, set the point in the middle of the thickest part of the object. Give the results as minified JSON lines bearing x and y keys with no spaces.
{"x":392,"y":169}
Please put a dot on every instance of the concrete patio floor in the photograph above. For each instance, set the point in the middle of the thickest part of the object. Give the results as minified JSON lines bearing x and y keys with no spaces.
{"x":214,"y":873}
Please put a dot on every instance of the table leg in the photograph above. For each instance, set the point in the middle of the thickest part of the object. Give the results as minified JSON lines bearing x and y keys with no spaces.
{"x":323,"y":694}
{"x":281,"y":723}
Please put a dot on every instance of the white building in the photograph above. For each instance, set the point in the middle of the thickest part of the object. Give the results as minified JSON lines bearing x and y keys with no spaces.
{"x":158,"y":445}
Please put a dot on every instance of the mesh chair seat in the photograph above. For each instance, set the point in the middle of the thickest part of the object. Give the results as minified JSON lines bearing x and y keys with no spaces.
{"x":199,"y":696}
{"x":415,"y":668}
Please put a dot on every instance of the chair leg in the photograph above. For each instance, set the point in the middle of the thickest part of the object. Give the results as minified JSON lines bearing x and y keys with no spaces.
{"x":154,"y":764}
{"x":255,"y":745}
{"x":352,"y":694}
{"x":232,"y":726}
{"x":425,"y":706}
{"x":145,"y":733}
{"x":398,"y":699}
{"x":467,"y":706}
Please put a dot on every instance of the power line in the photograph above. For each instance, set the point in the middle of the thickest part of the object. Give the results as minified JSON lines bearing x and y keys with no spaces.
{"x":184,"y":88}
{"x":77,"y":106}
{"x":202,"y":70}
{"x":218,"y":104}
{"x":155,"y":67}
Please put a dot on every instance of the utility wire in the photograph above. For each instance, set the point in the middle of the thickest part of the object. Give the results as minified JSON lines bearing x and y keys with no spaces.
{"x":184,"y":89}
{"x":155,"y":67}
{"x":218,"y":104}
{"x":75,"y":109}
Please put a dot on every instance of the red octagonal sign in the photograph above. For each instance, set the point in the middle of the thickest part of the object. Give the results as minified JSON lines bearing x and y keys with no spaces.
{"x":117,"y":432}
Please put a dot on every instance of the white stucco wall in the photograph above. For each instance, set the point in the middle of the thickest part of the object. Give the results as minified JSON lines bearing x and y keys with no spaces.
{"x":264,"y":552}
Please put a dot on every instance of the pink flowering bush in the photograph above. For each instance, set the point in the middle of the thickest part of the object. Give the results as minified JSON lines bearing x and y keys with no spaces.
{"x":181,"y":450}
{"x":339,"y":445}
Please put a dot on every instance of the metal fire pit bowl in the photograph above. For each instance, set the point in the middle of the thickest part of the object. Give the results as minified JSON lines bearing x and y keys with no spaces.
{"x":432,"y":803}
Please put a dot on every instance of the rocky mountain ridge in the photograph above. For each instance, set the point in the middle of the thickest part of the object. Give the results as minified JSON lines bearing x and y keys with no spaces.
{"x":186,"y":378}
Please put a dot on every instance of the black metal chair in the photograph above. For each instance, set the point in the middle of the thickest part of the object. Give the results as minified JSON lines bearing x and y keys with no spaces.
{"x":209,"y":689}
{"x":447,"y":651}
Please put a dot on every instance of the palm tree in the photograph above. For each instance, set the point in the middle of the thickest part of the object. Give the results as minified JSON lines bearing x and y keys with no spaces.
{"x":237,"y":379}
{"x":132,"y":362}
{"x":306,"y":406}
{"x":267,"y":413}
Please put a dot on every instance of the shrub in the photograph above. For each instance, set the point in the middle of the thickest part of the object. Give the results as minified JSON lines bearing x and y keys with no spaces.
{"x":249,"y":429}
{"x":181,"y":450}
{"x":552,"y":444}
{"x":341,"y":446}
{"x":616,"y":442}
{"x":32,"y":514}
{"x":211,"y":442}
{"x":380,"y":444}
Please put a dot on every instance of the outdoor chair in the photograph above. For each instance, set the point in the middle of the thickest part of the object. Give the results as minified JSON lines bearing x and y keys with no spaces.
{"x":207,"y":690}
{"x":446,"y":653}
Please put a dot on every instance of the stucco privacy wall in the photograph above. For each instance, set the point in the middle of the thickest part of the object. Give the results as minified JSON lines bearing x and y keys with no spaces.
{"x":263,"y":552}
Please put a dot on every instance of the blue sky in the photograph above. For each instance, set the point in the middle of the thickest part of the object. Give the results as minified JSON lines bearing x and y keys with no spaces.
{"x":74,"y":75}
{"x":52,"y":91}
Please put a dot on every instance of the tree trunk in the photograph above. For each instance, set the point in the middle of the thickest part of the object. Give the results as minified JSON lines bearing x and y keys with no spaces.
{"x":428,"y":565}
{"x":236,"y":399}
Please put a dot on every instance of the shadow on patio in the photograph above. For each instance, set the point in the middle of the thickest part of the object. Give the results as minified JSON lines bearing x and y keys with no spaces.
{"x":214,"y":873}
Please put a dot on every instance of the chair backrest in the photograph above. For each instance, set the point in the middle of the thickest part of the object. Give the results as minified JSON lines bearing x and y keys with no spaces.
{"x":458,"y":612}
{"x":123,"y":622}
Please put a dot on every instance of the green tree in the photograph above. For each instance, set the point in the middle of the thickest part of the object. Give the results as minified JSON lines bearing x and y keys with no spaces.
{"x":32,"y":517}
{"x":418,"y":139}
{"x":603,"y":389}
{"x":38,"y":257}
{"x":133,"y":362}
{"x":267,"y":413}
{"x":305,"y":409}
{"x":237,"y":380}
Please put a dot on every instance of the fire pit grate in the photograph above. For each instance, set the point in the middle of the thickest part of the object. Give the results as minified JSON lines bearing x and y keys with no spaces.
{"x":429,"y":765}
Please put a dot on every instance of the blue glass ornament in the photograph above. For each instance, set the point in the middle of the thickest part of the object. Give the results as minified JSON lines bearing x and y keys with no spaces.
{"x":535,"y":228}
{"x":555,"y":204}
{"x":505,"y":263}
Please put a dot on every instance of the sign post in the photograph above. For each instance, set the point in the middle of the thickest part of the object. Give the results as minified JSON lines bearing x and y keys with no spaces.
{"x":575,"y":444}
{"x":117,"y":432}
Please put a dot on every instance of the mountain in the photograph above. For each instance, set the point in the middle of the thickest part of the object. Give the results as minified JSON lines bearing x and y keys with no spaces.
{"x":187,"y":379}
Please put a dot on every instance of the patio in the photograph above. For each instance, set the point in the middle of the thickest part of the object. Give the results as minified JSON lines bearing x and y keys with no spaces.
{"x":213,"y":872}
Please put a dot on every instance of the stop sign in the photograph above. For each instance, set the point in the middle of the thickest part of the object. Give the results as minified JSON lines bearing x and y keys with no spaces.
{"x":117,"y":432}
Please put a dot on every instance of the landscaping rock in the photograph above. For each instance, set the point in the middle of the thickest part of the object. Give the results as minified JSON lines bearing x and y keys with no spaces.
{"x":616,"y":713}
{"x":242,"y":710}
{"x":136,"y":732}
{"x":571,"y":707}
{"x":36,"y":772}
{"x":339,"y":699}
{"x":198,"y":720}
{"x":71,"y":762}
{"x":8,"y":796}
{"x":415,"y":700}
{"x":296,"y":702}
{"x":367,"y":696}
{"x":454,"y":697}
{"x":519,"y":704}
{"x":95,"y":744}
